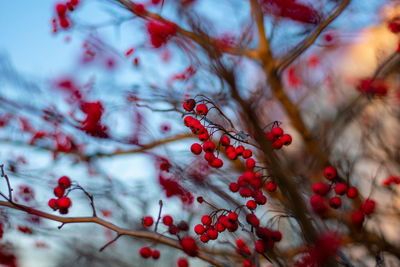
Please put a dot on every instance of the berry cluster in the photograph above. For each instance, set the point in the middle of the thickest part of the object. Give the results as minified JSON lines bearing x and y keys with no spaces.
{"x":61,"y":10}
{"x":322,"y":189}
{"x":146,"y":252}
{"x":278,"y":137}
{"x":389,"y":181}
{"x":62,"y":203}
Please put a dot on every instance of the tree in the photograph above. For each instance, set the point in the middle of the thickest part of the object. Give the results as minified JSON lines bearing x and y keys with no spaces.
{"x":267,"y":147}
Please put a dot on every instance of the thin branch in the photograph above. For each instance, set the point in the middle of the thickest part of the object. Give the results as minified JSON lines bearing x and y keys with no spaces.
{"x":309,"y":40}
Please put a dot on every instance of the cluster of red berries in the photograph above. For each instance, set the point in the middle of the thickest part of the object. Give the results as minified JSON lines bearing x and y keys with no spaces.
{"x":389,"y":181}
{"x":146,"y":252}
{"x":249,"y":184}
{"x":322,"y":189}
{"x":209,"y":230}
{"x":366,"y":208}
{"x":278,"y":137}
{"x":62,"y":203}
{"x":61,"y":10}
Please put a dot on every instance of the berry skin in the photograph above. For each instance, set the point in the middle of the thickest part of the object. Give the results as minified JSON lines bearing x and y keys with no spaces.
{"x":199,"y":229}
{"x":58,"y":191}
{"x":277,"y":131}
{"x":204,"y":136}
{"x":202,"y":109}
{"x":357,"y":218}
{"x":212,"y":234}
{"x":286,"y":139}
{"x":253,"y":220}
{"x":209,"y":156}
{"x":189,"y":104}
{"x":259,"y":246}
{"x":155,"y":254}
{"x":335,"y":202}
{"x":340,"y":188}
{"x":352,"y":192}
{"x":182,"y":262}
{"x":196,"y":149}
{"x":167,"y":220}
{"x":225,"y":141}
{"x":270,"y":186}
{"x":247,"y":153}
{"x":250,"y":163}
{"x":61,"y":9}
{"x":148,"y":221}
{"x":277,"y":144}
{"x":173,"y":230}
{"x":270,"y":136}
{"x":63,"y":203}
{"x":145,"y":252}
{"x":217,"y":163}
{"x":64,"y":182}
{"x":53,"y":204}
{"x":189,"y":246}
{"x":232,"y":155}
{"x":233,"y":216}
{"x":276,"y":236}
{"x":206,"y":220}
{"x":187,"y":120}
{"x":208,"y":146}
{"x":204,"y":238}
{"x":321,"y":188}
{"x":234,"y":187}
{"x":251,"y":205}
{"x":318,"y":204}
{"x":330,"y":173}
{"x":183,"y":226}
{"x":368,"y":206}
{"x":239,"y":150}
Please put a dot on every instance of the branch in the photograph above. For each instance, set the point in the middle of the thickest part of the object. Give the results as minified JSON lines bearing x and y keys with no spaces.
{"x":120,"y":231}
{"x":309,"y":40}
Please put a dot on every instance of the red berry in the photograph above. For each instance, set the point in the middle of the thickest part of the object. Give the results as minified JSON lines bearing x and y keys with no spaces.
{"x":196,"y":149}
{"x":253,"y":220}
{"x":199,"y":229}
{"x":53,"y":204}
{"x":189,"y":104}
{"x":321,"y":188}
{"x":357,"y":218}
{"x":260,"y":199}
{"x":240,"y":243}
{"x":206,"y":220}
{"x":61,"y":9}
{"x":259,"y":246}
{"x":204,"y":238}
{"x":208,"y":146}
{"x":58,"y":191}
{"x":189,"y":246}
{"x":234,"y":187}
{"x":276,"y":236}
{"x":187,"y":120}
{"x":64,"y":182}
{"x":167,"y":220}
{"x":182,"y":262}
{"x":233,"y":216}
{"x":145,"y":252}
{"x":270,"y":136}
{"x":217,"y":163}
{"x":277,"y":131}
{"x":209,"y":156}
{"x":202,"y":109}
{"x":368,"y":206}
{"x":335,"y":202}
{"x":247,"y":153}
{"x":232,"y":155}
{"x":340,"y":188}
{"x":270,"y":186}
{"x":251,"y":205}
{"x":212,"y":234}
{"x":286,"y":139}
{"x":64,"y":23}
{"x":63,"y":203}
{"x":155,"y":254}
{"x":277,"y":144}
{"x":250,"y":163}
{"x":173,"y":230}
{"x":239,"y":150}
{"x":318,"y":204}
{"x":352,"y":192}
{"x":225,"y":140}
{"x":204,"y":136}
{"x":148,"y":221}
{"x":247,"y":263}
{"x":330,"y":173}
